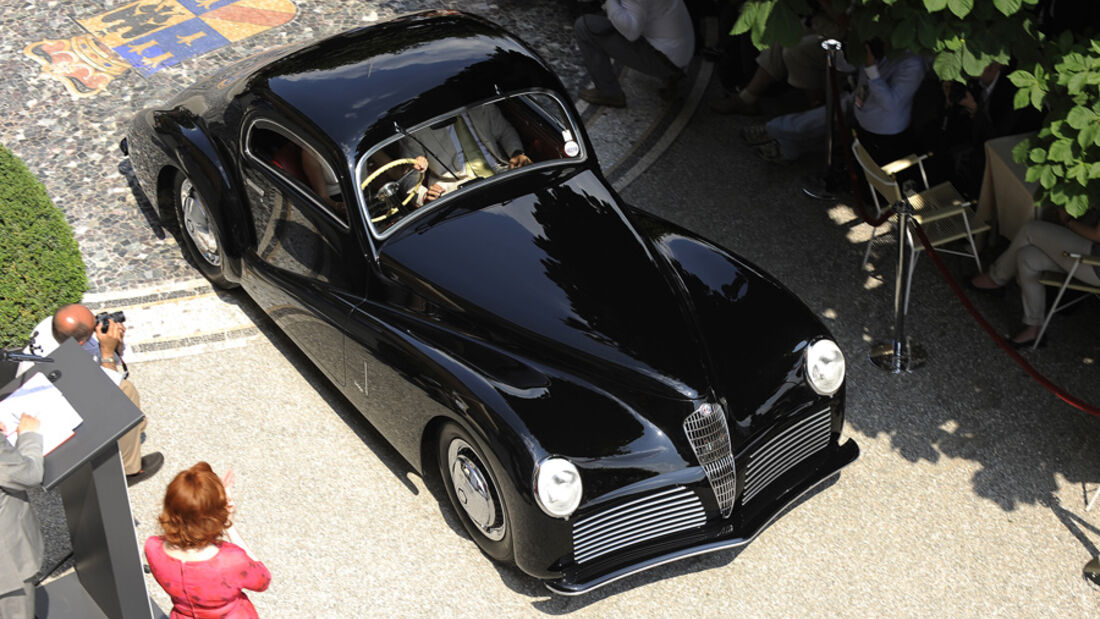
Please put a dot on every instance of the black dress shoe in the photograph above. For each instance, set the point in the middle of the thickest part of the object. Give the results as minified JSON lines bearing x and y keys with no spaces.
{"x":150,"y":464}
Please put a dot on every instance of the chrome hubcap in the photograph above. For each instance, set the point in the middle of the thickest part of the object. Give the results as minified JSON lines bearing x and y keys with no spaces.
{"x":196,"y":221}
{"x":474,"y":490}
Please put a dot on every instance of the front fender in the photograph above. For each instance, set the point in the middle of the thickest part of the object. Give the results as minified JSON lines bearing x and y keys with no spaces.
{"x":209,"y":165}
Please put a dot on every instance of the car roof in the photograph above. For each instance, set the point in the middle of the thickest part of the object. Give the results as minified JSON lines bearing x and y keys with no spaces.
{"x":354,"y":86}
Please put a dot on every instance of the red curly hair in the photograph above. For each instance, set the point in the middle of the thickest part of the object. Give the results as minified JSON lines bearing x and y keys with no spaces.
{"x":196,"y":510}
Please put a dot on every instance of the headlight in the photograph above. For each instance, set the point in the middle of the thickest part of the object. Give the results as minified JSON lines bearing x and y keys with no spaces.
{"x":557,"y":487}
{"x":825,"y":366}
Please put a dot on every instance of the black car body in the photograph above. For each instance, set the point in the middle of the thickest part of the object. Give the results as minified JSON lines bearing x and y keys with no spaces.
{"x":601,"y":390}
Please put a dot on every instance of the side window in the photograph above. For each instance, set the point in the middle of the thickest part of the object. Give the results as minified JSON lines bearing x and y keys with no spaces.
{"x":300,"y":164}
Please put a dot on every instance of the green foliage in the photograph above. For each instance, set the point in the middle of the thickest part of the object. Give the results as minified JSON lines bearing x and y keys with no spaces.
{"x":1060,"y":75}
{"x":40,"y":264}
{"x":1063,"y":157}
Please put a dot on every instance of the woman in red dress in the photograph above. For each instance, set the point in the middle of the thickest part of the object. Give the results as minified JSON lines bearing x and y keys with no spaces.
{"x":201,"y":560}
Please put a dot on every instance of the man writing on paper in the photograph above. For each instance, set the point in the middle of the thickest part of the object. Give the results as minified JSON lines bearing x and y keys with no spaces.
{"x":21,"y":545}
{"x":105,"y":346}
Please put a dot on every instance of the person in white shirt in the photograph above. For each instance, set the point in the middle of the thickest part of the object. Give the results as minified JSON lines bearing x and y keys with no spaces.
{"x":105,"y":346}
{"x":655,"y":37}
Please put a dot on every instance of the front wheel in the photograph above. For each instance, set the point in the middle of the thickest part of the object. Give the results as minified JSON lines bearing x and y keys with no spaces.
{"x":474,"y":490}
{"x":201,"y":237}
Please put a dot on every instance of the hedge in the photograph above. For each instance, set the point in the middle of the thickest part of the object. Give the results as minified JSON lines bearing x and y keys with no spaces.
{"x":40,"y":264}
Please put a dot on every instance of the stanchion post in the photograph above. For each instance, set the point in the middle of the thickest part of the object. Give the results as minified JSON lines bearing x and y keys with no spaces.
{"x":900,"y":354}
{"x":818,"y":187}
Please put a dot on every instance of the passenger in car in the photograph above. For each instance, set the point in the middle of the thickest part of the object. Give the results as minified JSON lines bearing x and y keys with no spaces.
{"x":477,"y":143}
{"x":323,"y":181}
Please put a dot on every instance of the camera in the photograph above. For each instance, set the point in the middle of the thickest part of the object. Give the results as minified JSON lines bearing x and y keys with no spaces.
{"x":104,"y":319}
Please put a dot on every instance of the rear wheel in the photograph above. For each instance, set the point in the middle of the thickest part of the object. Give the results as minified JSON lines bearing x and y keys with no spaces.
{"x":474,"y":490}
{"x":202,"y":239}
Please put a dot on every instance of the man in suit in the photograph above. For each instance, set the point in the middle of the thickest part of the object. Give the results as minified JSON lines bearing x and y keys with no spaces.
{"x":477,"y":143}
{"x":21,"y":545}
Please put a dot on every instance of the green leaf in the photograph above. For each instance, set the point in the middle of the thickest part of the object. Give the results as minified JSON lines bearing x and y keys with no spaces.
{"x":948,"y":65}
{"x":1047,"y":178}
{"x":1089,"y":135}
{"x":961,"y":8}
{"x":1094,"y":171}
{"x":1022,"y":98}
{"x":1079,"y":117}
{"x":1037,"y":94}
{"x":972,"y":65}
{"x":1034,"y":172}
{"x":1037,"y":155}
{"x":1062,"y":150}
{"x":1080,"y":172}
{"x":1021,"y":78}
{"x":935,"y":5}
{"x":1077,"y":205}
{"x":1073,"y":62}
{"x":1076,"y":83}
{"x":1008,"y":7}
{"x":1021,"y":151}
{"x":1058,"y":196}
{"x":745,"y":19}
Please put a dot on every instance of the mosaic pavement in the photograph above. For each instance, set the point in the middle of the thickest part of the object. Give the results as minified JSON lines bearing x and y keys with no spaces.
{"x":75,"y":72}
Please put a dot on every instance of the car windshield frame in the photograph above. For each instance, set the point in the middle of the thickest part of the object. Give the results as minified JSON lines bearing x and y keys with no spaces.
{"x":571,"y":136}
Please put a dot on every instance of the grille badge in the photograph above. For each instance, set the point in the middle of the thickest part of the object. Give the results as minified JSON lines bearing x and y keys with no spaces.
{"x":709,"y":436}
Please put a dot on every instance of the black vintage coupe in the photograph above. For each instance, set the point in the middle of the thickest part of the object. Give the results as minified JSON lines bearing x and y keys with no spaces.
{"x":600,"y":390}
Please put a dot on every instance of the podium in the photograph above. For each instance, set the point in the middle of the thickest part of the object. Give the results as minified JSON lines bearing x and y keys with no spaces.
{"x":87,"y":471}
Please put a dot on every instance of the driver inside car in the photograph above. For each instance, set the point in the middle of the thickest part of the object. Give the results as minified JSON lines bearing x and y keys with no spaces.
{"x":477,"y":143}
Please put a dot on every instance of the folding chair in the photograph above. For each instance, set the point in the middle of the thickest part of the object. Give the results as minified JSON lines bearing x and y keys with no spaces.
{"x":941,"y":211}
{"x":1062,"y":281}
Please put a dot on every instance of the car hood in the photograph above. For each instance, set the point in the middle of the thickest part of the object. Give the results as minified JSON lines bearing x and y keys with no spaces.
{"x":557,"y":277}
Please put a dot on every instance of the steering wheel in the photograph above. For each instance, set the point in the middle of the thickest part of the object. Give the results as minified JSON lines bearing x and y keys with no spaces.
{"x":388,"y":187}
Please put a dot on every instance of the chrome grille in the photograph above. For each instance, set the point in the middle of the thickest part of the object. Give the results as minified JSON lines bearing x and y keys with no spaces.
{"x":709,"y":436}
{"x":785,"y":450}
{"x":652,"y":516}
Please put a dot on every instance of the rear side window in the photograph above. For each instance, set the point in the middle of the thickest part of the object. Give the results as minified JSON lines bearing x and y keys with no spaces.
{"x":301,"y":165}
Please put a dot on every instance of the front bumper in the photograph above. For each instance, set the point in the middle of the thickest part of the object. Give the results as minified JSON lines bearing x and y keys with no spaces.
{"x":739,"y":530}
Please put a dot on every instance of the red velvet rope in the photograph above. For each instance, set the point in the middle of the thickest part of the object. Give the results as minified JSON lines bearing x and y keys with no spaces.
{"x":931,"y":251}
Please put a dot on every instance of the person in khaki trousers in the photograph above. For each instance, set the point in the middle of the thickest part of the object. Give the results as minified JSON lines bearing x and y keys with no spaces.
{"x":21,"y":546}
{"x":77,"y":322}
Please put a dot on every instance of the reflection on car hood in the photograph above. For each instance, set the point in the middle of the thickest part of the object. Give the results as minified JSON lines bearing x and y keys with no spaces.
{"x":559,"y":277}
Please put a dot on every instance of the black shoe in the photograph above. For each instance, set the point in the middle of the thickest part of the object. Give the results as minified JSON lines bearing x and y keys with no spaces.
{"x":150,"y":464}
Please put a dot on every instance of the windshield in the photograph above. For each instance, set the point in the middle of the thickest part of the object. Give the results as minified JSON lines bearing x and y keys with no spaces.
{"x":473,"y":145}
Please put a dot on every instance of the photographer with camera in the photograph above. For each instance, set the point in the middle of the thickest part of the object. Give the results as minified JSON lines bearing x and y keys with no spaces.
{"x":102,"y":337}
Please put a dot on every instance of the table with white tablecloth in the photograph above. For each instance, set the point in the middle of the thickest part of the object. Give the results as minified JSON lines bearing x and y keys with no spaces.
{"x":1006,"y":200}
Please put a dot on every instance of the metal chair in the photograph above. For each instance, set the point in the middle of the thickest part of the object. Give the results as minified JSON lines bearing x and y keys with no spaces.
{"x":1063,"y":281}
{"x":941,"y":211}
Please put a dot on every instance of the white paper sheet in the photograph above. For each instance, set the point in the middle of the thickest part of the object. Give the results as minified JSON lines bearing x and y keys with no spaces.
{"x":39,"y":398}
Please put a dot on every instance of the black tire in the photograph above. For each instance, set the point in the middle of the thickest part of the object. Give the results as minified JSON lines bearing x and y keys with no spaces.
{"x":493,"y":531}
{"x":199,"y":233}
